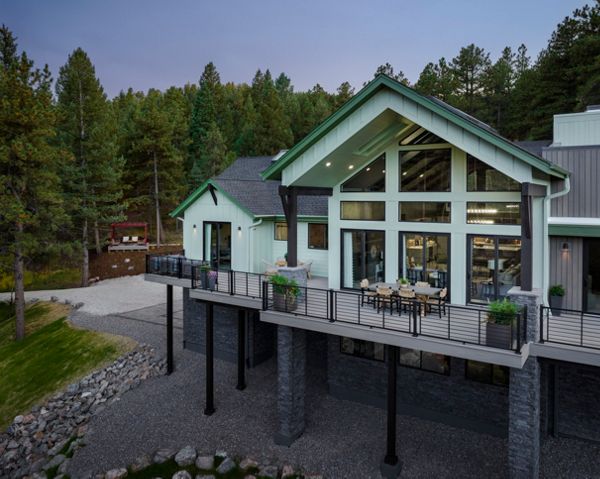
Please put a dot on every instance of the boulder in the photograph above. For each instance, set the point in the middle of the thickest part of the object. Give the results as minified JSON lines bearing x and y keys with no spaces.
{"x":186,"y":456}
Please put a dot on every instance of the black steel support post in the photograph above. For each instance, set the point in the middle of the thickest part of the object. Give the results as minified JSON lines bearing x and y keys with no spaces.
{"x":210,"y":393}
{"x":391,"y":466}
{"x":241,"y":380}
{"x":529,"y":191}
{"x":169,"y":328}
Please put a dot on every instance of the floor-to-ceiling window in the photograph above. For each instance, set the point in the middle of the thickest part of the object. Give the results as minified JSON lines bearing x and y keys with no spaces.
{"x":362,"y":257}
{"x":591,"y":276}
{"x":494,"y":267}
{"x":217,"y":244}
{"x":425,"y":257}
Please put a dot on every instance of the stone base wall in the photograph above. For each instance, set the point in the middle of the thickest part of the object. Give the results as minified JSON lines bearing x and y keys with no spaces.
{"x":451,"y":399}
{"x":260,"y":335}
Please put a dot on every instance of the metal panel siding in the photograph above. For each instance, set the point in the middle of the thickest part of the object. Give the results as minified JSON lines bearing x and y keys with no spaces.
{"x":566,"y":269}
{"x":584,"y":198}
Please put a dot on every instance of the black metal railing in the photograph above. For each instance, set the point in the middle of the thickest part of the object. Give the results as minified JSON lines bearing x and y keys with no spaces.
{"x":569,"y":327}
{"x":238,"y":283}
{"x":173,"y":265}
{"x":463,"y":324}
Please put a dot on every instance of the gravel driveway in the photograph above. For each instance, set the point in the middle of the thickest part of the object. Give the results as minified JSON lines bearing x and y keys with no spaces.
{"x":111,"y":296}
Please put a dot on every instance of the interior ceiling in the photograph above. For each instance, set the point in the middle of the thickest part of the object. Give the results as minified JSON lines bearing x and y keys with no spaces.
{"x":358,"y":150}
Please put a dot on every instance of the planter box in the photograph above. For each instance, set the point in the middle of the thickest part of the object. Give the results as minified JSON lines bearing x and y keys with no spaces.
{"x":556,"y":304}
{"x":499,"y":336}
{"x":284,"y":303}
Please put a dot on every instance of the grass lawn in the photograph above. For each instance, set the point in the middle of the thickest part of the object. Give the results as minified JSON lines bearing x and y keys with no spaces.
{"x":52,"y":355}
{"x":52,"y":279}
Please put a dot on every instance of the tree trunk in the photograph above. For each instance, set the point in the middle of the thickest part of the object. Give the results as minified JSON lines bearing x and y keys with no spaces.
{"x":85,"y":267}
{"x":19,"y":287}
{"x":156,"y":202}
{"x":97,"y":238}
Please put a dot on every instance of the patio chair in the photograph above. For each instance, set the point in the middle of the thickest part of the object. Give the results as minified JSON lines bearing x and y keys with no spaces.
{"x":406,"y":298}
{"x":385,"y":298}
{"x":366,"y":294}
{"x":422,"y":284}
{"x":270,"y":268}
{"x":438,"y":302}
{"x":307,"y":267}
{"x":125,"y":239}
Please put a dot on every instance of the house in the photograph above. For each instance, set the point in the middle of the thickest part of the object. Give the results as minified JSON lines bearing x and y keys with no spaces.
{"x":396,"y":187}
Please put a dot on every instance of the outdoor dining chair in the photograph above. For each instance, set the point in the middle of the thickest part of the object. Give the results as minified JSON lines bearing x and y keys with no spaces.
{"x":438,"y":302}
{"x":407,"y":296}
{"x":366,"y":295}
{"x":385,"y":298}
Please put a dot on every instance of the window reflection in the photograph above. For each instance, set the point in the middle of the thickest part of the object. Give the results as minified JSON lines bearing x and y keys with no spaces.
{"x":425,"y":170}
{"x":370,"y":179}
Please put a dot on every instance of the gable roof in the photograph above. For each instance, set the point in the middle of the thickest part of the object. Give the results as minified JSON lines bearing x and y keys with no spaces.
{"x":437,"y":106}
{"x":242,"y":183}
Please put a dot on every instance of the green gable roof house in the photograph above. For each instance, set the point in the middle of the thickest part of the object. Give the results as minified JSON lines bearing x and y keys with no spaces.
{"x":403,"y":232}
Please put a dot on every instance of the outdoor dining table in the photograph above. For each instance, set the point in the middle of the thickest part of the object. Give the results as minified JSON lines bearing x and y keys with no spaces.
{"x":421,"y":292}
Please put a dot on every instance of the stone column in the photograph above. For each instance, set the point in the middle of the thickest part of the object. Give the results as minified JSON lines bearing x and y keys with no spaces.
{"x":291,"y":379}
{"x":524,"y":398}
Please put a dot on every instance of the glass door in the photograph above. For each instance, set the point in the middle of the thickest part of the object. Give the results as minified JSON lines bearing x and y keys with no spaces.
{"x":362,"y":257}
{"x":425,"y":257}
{"x":217,"y":244}
{"x":494,"y":267}
{"x":591,"y":275}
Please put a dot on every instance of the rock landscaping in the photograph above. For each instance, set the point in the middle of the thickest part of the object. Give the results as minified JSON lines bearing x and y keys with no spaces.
{"x":40,"y":443}
{"x":188,"y":463}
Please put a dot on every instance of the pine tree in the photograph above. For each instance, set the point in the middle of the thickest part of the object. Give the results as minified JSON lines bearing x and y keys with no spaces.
{"x":498,"y":82}
{"x":87,"y":129}
{"x":343,"y":93}
{"x":30,"y":195}
{"x":438,"y":80}
{"x":468,"y":68}
{"x":388,"y":69}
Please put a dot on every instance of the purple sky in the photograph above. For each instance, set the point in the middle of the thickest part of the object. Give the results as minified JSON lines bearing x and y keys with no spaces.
{"x":151,"y":43}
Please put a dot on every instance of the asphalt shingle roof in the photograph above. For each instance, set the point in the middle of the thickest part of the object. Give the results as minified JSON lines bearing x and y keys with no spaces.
{"x":242,"y":181}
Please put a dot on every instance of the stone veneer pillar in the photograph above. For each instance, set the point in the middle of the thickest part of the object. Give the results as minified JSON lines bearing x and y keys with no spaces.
{"x":524,"y":398}
{"x":291,"y":371}
{"x":291,"y":383}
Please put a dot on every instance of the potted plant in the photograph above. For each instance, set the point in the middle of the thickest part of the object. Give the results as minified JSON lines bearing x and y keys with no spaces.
{"x":212,"y":280}
{"x":556,"y":293}
{"x":500,"y":319}
{"x":285,"y":293}
{"x":403,"y":282}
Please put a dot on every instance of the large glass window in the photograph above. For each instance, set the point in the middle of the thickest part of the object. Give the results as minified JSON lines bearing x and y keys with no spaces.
{"x":317,"y":236}
{"x":483,"y":177}
{"x":495,"y":267}
{"x":424,"y":211}
{"x":425,"y":170}
{"x":362,"y":349}
{"x":281,"y":231}
{"x":493,"y":213}
{"x":363,"y":210}
{"x":487,"y":373}
{"x":217,"y":244}
{"x":425,"y":258}
{"x":362,"y":257}
{"x":413,"y":358}
{"x":370,"y":179}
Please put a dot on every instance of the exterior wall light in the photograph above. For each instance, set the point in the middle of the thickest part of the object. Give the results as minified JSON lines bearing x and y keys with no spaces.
{"x":565,"y":247}
{"x":239,"y":228}
{"x":195,"y":229}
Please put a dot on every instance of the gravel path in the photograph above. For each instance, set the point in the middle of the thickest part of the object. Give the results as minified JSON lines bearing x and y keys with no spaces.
{"x":342,"y":439}
{"x":111,"y":296}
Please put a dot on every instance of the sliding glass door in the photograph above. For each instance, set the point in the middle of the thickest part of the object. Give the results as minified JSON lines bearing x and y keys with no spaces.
{"x":494,"y":267}
{"x":362,"y":257}
{"x":217,"y":244}
{"x":425,"y":257}
{"x":591,"y":275}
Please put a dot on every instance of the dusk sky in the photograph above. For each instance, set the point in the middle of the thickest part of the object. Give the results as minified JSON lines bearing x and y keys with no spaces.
{"x":156,"y":44}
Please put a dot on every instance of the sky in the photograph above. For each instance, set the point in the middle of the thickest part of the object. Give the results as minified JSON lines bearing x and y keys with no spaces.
{"x":156,"y":44}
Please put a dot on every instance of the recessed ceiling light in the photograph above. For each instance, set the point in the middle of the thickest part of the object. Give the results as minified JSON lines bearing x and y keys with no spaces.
{"x":404,"y":174}
{"x":421,"y":175}
{"x":369,"y":169}
{"x":328,"y":164}
{"x":350,"y":167}
{"x":383,"y":171}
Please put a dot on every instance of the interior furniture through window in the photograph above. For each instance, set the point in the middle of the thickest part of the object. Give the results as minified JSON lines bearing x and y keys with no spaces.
{"x":281,"y":231}
{"x":362,"y":349}
{"x":425,"y":257}
{"x":363,"y":210}
{"x":487,"y":373}
{"x":317,"y":236}
{"x":424,"y":211}
{"x":494,"y":267}
{"x":362,"y":257}
{"x":494,"y":213}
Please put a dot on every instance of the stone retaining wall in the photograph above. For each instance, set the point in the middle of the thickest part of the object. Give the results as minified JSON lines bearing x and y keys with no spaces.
{"x":46,"y":437}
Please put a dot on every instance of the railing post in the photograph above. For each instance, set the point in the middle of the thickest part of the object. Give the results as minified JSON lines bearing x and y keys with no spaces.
{"x":193,"y":273}
{"x":541,"y":324}
{"x":415,"y":305}
{"x":331,"y":299}
{"x":581,"y":330}
{"x":479,"y":327}
{"x":231,"y":282}
{"x":265,"y":294}
{"x":179,"y":267}
{"x":519,"y":332}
